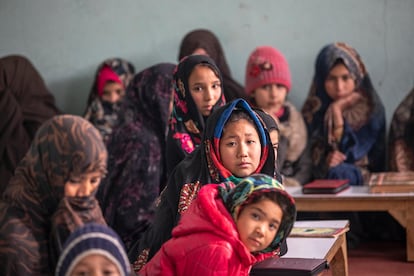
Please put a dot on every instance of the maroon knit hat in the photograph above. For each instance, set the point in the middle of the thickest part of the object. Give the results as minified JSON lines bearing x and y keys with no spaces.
{"x":266,"y":65}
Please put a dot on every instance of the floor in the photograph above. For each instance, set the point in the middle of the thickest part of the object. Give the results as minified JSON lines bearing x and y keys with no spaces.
{"x":384,"y":258}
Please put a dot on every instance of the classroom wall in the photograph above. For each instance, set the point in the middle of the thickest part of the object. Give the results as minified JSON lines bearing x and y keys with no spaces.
{"x":67,"y":39}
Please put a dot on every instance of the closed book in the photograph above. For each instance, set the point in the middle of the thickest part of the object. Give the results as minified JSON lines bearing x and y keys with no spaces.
{"x":391,"y":182}
{"x":289,"y":267}
{"x":325,"y":186}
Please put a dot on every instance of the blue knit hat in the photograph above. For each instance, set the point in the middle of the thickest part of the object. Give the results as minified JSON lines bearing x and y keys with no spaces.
{"x":90,"y":239}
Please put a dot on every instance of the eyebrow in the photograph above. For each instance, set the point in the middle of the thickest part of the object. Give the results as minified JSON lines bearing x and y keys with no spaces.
{"x":265,"y":214}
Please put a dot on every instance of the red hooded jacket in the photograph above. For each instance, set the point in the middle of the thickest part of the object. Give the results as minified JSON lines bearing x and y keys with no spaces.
{"x":205,"y":242}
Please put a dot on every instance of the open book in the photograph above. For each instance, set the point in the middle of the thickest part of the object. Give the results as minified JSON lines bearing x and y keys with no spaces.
{"x":391,"y":182}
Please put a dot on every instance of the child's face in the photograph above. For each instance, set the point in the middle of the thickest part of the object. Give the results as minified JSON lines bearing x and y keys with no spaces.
{"x":205,"y":88}
{"x":240,"y":148}
{"x":270,"y":97}
{"x":83,"y":185}
{"x":113,"y":92}
{"x":339,"y":83}
{"x":95,"y":265}
{"x":274,"y":137}
{"x":258,"y":224}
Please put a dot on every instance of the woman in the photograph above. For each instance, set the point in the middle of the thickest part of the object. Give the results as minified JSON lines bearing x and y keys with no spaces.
{"x":25,"y":103}
{"x":204,"y":42}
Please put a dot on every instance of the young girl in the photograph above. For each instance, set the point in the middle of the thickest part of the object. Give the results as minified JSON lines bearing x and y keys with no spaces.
{"x":345,"y":117}
{"x":401,"y":146}
{"x":136,"y":163}
{"x":25,"y":103}
{"x":227,"y":229}
{"x":108,"y":90}
{"x":93,"y":249}
{"x":50,"y":195}
{"x":268,"y":83}
{"x":198,"y":92}
{"x":235,"y":145}
{"x":204,"y":42}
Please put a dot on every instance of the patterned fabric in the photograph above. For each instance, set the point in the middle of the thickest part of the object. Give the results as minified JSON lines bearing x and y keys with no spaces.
{"x":201,"y":167}
{"x":25,"y":103}
{"x":63,"y":146}
{"x":104,"y":115}
{"x":187,"y":124}
{"x":401,"y":146}
{"x":236,"y":197}
{"x":361,"y":136}
{"x":206,"y":40}
{"x":136,"y":165}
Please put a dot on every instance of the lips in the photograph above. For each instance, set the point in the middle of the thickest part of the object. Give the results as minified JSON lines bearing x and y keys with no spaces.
{"x":244,"y":165}
{"x":255,"y":242}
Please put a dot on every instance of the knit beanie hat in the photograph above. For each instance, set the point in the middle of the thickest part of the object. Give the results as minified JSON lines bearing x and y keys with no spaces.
{"x":106,"y":74}
{"x":266,"y":65}
{"x":90,"y":239}
{"x":236,"y":197}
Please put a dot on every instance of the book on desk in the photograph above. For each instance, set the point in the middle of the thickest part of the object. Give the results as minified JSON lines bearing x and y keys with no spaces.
{"x":325,"y":186}
{"x":391,"y":182}
{"x":289,"y":267}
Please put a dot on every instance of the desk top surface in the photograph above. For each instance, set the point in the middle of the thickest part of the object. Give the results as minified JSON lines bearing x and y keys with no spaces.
{"x":309,"y":248}
{"x":351,"y":192}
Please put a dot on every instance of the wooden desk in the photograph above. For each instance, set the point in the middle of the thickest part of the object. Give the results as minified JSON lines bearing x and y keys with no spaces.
{"x":399,"y":205}
{"x":333,"y":249}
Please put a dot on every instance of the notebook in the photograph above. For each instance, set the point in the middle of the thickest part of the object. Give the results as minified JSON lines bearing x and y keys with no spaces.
{"x":289,"y":267}
{"x":325,"y":186}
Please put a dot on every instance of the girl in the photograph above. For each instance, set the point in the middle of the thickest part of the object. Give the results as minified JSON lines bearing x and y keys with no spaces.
{"x":198,"y":92}
{"x":401,"y":146}
{"x":204,"y":42}
{"x":345,"y":117}
{"x":25,"y":103}
{"x":268,"y":83}
{"x":227,"y":229}
{"x":50,"y":195}
{"x":235,"y":145}
{"x":108,"y":90}
{"x":136,"y":165}
{"x":93,"y":249}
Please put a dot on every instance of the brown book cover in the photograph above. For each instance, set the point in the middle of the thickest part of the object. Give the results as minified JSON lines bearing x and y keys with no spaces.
{"x":325,"y":186}
{"x":391,"y":182}
{"x":289,"y":267}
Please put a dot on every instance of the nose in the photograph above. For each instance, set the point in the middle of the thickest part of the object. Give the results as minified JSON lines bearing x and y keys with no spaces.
{"x":85,"y":189}
{"x":272,"y":90}
{"x":243,"y":150}
{"x":114,"y":98}
{"x":339,"y":85}
{"x":260,"y":229}
{"x":208,"y":94}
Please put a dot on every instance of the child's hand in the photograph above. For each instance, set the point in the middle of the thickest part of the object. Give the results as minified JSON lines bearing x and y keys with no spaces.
{"x":335,"y":158}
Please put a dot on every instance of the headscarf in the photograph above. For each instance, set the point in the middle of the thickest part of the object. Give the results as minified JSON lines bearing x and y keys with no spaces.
{"x":104,"y":115}
{"x":92,"y":239}
{"x":25,"y":103}
{"x":206,"y":40}
{"x":63,"y":146}
{"x":400,"y":140}
{"x":363,"y":132}
{"x":201,"y":167}
{"x":136,"y":165}
{"x":187,"y":124}
{"x":236,"y":197}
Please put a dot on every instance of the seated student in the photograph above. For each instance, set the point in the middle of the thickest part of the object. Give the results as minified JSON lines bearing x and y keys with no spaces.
{"x":93,"y":249}
{"x":345,"y":117}
{"x":50,"y":195}
{"x":268,"y":83}
{"x":25,"y":103}
{"x":136,"y":149}
{"x":111,"y":80}
{"x":227,"y":229}
{"x":235,"y":145}
{"x":401,"y":142}
{"x":198,"y":91}
{"x":204,"y":42}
